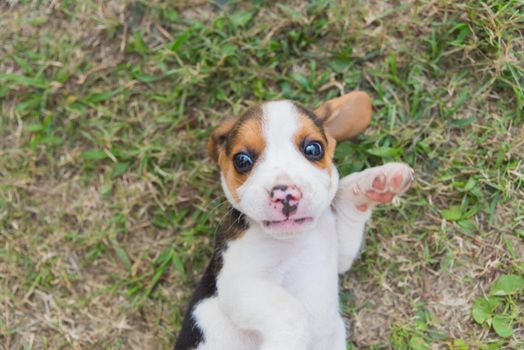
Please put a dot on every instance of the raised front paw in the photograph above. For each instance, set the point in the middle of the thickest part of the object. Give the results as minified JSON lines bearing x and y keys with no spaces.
{"x":378,"y":185}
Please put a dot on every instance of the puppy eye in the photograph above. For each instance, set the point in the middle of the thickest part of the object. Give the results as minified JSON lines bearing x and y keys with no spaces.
{"x":313,"y":150}
{"x":243,"y":162}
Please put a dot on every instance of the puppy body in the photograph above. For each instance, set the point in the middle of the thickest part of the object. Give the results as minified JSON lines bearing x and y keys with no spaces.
{"x":272,"y":283}
{"x":286,"y":290}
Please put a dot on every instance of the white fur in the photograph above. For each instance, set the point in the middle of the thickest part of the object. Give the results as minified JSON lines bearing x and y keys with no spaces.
{"x":282,"y":294}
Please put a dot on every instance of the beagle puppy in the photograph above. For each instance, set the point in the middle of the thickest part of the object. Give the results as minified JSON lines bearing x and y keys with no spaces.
{"x":293,"y":227}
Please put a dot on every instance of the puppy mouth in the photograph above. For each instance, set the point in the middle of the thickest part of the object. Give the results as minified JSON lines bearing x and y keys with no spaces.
{"x":288,"y":223}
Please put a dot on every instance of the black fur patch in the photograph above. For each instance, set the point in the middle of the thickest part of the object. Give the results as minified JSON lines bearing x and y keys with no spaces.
{"x":191,"y":335}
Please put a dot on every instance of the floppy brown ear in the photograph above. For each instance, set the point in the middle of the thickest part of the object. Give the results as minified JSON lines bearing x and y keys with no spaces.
{"x":218,"y":137}
{"x":346,"y":116}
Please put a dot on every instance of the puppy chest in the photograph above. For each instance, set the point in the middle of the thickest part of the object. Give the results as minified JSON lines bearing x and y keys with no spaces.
{"x":312,"y":275}
{"x":306,"y":266}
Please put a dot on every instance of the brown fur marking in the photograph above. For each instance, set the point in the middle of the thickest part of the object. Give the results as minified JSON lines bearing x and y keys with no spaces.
{"x":310,"y":130}
{"x":244,"y":136}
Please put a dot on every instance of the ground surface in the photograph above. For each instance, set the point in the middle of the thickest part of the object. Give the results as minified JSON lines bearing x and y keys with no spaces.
{"x":108,"y":203}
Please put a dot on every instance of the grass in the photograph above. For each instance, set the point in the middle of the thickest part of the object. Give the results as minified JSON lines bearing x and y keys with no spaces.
{"x":108,"y":203}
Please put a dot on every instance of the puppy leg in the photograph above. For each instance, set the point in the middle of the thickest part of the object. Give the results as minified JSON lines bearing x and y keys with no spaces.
{"x":358,"y":193}
{"x":261,"y":306}
{"x":219,"y":331}
{"x":333,"y":341}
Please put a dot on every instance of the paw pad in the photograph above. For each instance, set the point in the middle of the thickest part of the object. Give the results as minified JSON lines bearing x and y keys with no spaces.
{"x":382,"y":184}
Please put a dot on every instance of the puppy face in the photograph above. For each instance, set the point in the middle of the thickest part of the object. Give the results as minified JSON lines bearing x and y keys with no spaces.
{"x":276,"y":165}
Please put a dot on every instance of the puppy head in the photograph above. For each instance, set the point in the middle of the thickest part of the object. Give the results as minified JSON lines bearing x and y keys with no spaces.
{"x":276,"y":160}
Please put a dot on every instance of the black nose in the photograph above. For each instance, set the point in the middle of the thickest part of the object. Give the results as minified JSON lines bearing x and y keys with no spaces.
{"x":286,"y":196}
{"x":281,"y":188}
{"x":288,"y":209}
